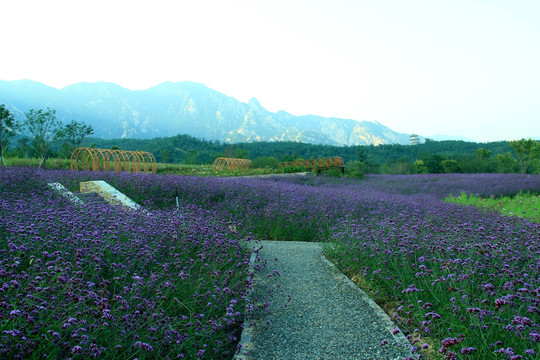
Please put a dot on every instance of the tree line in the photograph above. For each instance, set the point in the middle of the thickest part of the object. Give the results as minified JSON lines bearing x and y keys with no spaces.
{"x":38,"y":132}
{"x":41,"y":135}
{"x":450,"y":156}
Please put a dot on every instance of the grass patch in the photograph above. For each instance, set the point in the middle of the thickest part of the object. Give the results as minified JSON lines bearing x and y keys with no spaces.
{"x":50,"y":163}
{"x":524,"y":205}
{"x":161,"y":168}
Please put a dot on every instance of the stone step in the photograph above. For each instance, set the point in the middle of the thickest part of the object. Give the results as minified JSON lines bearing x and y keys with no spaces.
{"x":93,"y":192}
{"x":108,"y":193}
{"x":64,"y":192}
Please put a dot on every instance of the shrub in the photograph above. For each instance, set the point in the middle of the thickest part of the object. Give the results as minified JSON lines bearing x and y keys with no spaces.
{"x":264,"y":162}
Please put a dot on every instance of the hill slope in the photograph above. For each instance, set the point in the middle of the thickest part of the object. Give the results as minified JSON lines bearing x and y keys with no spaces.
{"x":186,"y":108}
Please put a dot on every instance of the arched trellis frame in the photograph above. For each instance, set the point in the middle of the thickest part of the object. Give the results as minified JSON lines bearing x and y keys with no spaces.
{"x":223,"y":163}
{"x":316,"y":164}
{"x":123,"y":160}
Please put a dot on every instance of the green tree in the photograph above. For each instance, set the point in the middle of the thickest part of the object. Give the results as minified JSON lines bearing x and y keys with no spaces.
{"x":8,"y":127}
{"x":192,"y":157}
{"x":450,"y":166}
{"x":165,"y":154}
{"x":241,"y":154}
{"x":75,"y":132}
{"x":43,"y":126}
{"x":482,"y":160}
{"x":505,"y":163}
{"x":419,"y":167}
{"x":355,"y":169}
{"x":467,"y":163}
{"x":291,"y":157}
{"x":65,"y":151}
{"x":433,"y":164}
{"x":361,"y":154}
{"x":397,"y":167}
{"x":229,"y":151}
{"x":23,"y":148}
{"x":265,"y":162}
{"x":527,"y":152}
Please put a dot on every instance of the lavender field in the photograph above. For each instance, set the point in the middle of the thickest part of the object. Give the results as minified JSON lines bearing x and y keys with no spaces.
{"x":102,"y":281}
{"x":80,"y":282}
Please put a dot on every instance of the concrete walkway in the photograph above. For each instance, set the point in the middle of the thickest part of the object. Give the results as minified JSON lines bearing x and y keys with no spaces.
{"x":316,"y":312}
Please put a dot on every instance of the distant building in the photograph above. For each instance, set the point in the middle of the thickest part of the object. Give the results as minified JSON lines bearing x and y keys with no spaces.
{"x":413,"y":140}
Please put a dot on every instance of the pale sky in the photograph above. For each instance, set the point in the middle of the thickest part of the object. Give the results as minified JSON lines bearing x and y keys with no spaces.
{"x":453,"y":67}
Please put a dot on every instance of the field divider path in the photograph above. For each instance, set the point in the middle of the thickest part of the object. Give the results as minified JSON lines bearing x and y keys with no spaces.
{"x":315,"y":312}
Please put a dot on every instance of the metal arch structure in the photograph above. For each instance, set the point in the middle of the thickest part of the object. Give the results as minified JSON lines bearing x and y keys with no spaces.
{"x":316,"y":164}
{"x":223,"y":163}
{"x":122,"y":160}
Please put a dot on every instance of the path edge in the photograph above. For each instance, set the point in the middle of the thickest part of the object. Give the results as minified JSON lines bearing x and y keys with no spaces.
{"x":245,"y":342}
{"x":245,"y":339}
{"x":399,"y":337}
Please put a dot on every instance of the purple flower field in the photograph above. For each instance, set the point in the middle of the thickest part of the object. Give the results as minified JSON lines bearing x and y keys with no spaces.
{"x":463,"y":282}
{"x":102,"y":281}
{"x":107,"y":282}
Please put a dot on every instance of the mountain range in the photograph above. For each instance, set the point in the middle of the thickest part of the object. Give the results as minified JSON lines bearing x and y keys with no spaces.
{"x":186,"y":108}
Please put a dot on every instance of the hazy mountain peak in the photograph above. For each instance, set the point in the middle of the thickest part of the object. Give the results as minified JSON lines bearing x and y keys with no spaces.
{"x":95,"y":85}
{"x":190,"y":108}
{"x":95,"y":89}
{"x":26,"y":85}
{"x":255,"y":104}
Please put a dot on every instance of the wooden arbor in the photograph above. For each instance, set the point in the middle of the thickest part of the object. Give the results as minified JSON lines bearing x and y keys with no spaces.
{"x":100,"y":159}
{"x":222,"y":163}
{"x":316,"y":164}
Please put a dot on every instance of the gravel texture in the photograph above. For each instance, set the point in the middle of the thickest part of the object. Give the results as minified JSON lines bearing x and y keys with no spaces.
{"x":316,"y":312}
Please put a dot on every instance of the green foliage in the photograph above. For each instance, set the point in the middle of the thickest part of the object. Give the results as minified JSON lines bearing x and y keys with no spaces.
{"x":44,"y":127}
{"x":433,"y":163}
{"x":333,"y":172}
{"x":355,"y":169}
{"x":450,"y":166}
{"x":391,"y":159}
{"x":265,"y":162}
{"x":527,"y":152}
{"x":241,"y":153}
{"x":292,"y":169}
{"x":161,"y":168}
{"x":66,"y":149}
{"x":184,"y":169}
{"x":505,"y":163}
{"x":165,"y":154}
{"x":482,"y":162}
{"x":229,"y":151}
{"x":8,"y":127}
{"x":75,"y":132}
{"x":192,"y":157}
{"x":23,"y":148}
{"x":397,"y":167}
{"x":482,"y":153}
{"x":361,"y":154}
{"x":437,"y":156}
{"x":419,"y":167}
{"x":72,"y":136}
{"x":52,"y":163}
{"x":523,"y":204}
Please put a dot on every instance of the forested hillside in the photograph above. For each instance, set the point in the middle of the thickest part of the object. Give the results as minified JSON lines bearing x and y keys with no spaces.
{"x":431,"y":156}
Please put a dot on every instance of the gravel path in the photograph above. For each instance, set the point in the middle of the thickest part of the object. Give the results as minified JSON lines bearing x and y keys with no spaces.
{"x":316,"y":312}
